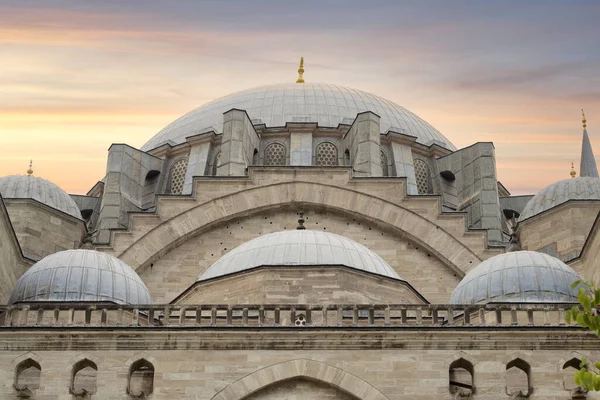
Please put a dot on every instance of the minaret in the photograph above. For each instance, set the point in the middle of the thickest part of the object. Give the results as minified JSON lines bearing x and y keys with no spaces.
{"x":300,"y":71}
{"x":588,"y":162}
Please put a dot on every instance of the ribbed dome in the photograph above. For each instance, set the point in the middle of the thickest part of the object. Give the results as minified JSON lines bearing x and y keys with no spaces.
{"x":46,"y":192}
{"x":518,"y":277}
{"x":81,"y":275}
{"x":583,"y":188}
{"x":275,"y":105}
{"x":299,"y":248}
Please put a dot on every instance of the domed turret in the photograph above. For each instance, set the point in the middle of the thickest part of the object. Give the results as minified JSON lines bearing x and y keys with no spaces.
{"x":582,"y":188}
{"x":46,"y":192}
{"x":299,"y":248}
{"x":81,"y":275}
{"x":518,"y":277}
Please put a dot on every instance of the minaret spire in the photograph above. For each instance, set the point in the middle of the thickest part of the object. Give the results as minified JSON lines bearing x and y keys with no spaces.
{"x":300,"y":71}
{"x":588,"y":162}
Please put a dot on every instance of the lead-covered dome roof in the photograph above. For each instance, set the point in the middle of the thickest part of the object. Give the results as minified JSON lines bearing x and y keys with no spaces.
{"x":299,"y":248}
{"x":582,"y":188}
{"x":42,"y":190}
{"x":275,"y":105}
{"x":80,"y":275}
{"x":518,"y":277}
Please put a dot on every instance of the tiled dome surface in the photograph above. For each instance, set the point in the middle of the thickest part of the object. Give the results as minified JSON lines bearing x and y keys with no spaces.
{"x":81,"y":275}
{"x":275,"y":105}
{"x":518,"y":277}
{"x":46,"y":192}
{"x":583,"y":188}
{"x":299,"y":248}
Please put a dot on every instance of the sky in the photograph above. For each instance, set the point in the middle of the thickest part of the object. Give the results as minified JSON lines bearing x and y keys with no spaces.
{"x":77,"y":76}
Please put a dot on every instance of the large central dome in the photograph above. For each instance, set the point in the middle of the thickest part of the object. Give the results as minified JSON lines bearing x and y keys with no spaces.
{"x":276,"y":105}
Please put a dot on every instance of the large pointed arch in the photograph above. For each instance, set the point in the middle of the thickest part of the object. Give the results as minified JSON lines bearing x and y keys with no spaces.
{"x":300,"y":368}
{"x":203,"y":217}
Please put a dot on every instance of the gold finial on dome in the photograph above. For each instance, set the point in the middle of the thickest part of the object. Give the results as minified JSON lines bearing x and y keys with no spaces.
{"x":300,"y":71}
{"x":583,"y":121}
{"x":30,"y":170}
{"x":573,"y":173}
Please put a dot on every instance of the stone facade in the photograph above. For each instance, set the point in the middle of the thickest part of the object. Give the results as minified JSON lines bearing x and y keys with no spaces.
{"x":561,"y":231}
{"x":294,"y":330}
{"x":12,"y":262}
{"x":342,"y":365}
{"x":42,"y":230}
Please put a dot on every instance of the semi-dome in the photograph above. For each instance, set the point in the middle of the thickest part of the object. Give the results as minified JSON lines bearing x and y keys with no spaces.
{"x":582,"y":188}
{"x":299,"y":248}
{"x":518,"y":277}
{"x":275,"y":105}
{"x":80,"y":275}
{"x":46,"y":192}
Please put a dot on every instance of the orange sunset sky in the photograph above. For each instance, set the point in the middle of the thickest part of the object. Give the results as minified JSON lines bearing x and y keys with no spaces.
{"x":76,"y":76}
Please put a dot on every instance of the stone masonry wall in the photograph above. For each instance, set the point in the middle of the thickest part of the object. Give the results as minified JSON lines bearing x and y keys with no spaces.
{"x":177,"y":270}
{"x":273,"y":285}
{"x":12,"y":264}
{"x":561,"y":232}
{"x":394,"y":374}
{"x":476,"y":187}
{"x":42,"y":231}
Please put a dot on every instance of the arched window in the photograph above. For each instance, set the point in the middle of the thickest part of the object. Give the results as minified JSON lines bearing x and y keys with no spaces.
{"x":141,"y":379}
{"x":326,"y":154}
{"x":216,"y":163}
{"x":518,"y":378}
{"x":83,"y":378}
{"x":347,"y":158}
{"x":275,"y":154}
{"x":384,"y":164}
{"x":27,"y":377}
{"x":461,"y":378}
{"x":422,"y":176}
{"x":178,"y":175}
{"x":569,"y":370}
{"x":255,"y":157}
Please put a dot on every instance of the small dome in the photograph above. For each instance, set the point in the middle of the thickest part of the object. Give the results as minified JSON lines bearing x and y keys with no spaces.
{"x":518,"y":277}
{"x":583,"y":188}
{"x":46,"y":192}
{"x":299,"y":248}
{"x":81,"y":275}
{"x":275,"y":105}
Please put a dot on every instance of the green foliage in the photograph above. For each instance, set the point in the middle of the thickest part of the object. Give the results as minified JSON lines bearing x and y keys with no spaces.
{"x":586,"y":316}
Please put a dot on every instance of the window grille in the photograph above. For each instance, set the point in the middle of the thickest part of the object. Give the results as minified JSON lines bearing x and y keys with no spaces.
{"x":326,"y":154}
{"x":178,"y":175}
{"x":275,"y":154}
{"x":422,"y":176}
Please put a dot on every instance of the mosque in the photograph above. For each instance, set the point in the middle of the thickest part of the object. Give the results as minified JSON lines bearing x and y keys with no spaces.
{"x":296,"y":241}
